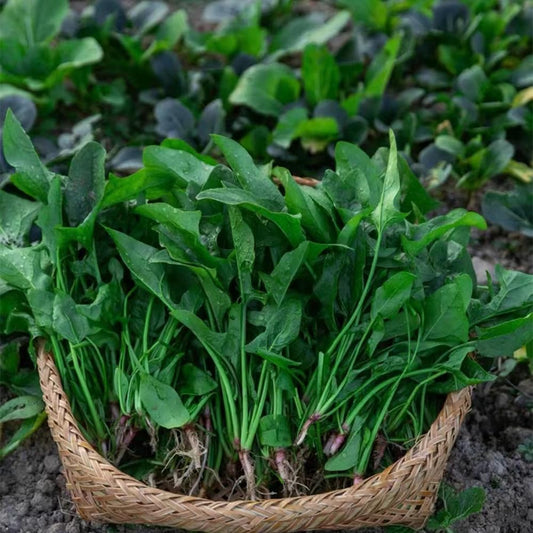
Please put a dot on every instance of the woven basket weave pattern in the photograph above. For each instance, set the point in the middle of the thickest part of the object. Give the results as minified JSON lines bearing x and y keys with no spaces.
{"x":404,"y":493}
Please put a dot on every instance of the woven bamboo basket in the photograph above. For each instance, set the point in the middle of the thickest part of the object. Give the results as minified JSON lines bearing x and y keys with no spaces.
{"x":404,"y":493}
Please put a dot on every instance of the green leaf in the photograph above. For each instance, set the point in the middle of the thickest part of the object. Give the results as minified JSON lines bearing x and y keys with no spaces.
{"x":86,"y":181}
{"x":212,"y":341}
{"x":275,"y":431}
{"x":282,"y":327}
{"x":249,"y":176}
{"x":320,"y":73}
{"x":515,"y":292}
{"x":137,"y":257}
{"x":67,"y":320}
{"x":473,"y":82}
{"x":32,"y":176}
{"x":370,"y":13}
{"x":30,"y":22}
{"x":27,"y":428}
{"x":496,"y":157}
{"x":316,"y":133}
{"x":120,"y":190}
{"x":266,"y":88}
{"x":288,"y":123}
{"x":390,"y":297}
{"x":450,"y":144}
{"x":184,"y":167}
{"x":16,"y":218}
{"x":162,"y":403}
{"x":20,"y":408}
{"x":285,"y":271}
{"x":314,"y":219}
{"x":380,"y":70}
{"x":387,"y":209}
{"x":504,"y":339}
{"x":23,"y":268}
{"x":511,"y":210}
{"x":445,"y":312}
{"x":243,"y":242}
{"x":421,"y":235}
{"x":195,"y":382}
{"x":302,"y":31}
{"x":457,"y":506}
{"x":289,"y":224}
{"x":51,"y":217}
{"x":180,"y":232}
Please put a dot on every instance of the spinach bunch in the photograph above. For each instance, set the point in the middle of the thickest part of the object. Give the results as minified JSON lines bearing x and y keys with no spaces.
{"x":226,"y":324}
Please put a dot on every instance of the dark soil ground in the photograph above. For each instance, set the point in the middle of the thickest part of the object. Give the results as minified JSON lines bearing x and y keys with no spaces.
{"x":33,"y":498}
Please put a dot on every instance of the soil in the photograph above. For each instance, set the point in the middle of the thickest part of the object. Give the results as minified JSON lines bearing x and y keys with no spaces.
{"x":33,"y":497}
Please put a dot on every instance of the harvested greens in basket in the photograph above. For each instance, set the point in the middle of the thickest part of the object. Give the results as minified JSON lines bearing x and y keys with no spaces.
{"x":224,"y":331}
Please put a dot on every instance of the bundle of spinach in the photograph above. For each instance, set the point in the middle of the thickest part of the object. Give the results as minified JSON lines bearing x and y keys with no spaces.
{"x":226,"y":327}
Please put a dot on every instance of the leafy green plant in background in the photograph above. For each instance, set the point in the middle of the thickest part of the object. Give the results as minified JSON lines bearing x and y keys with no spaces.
{"x":513,"y":210}
{"x":27,"y":61}
{"x":174,"y":327}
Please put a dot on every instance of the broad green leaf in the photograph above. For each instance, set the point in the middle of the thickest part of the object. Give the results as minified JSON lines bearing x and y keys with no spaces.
{"x":289,"y":224}
{"x":421,"y":235}
{"x":276,"y":359}
{"x":195,"y":382}
{"x":67,"y":320}
{"x":16,"y":218}
{"x":137,"y":257}
{"x":32,"y":176}
{"x":450,"y":144}
{"x":282,"y":327}
{"x":86,"y":181}
{"x":473,"y":83}
{"x":504,"y":339}
{"x":30,"y":22}
{"x":445,"y":312}
{"x":266,"y":88}
{"x":184,"y":167}
{"x":182,"y":229}
{"x":513,"y":211}
{"x":249,"y":176}
{"x":380,"y":70}
{"x":275,"y":431}
{"x":457,"y":506}
{"x":387,"y":209}
{"x":302,"y":31}
{"x":317,"y":132}
{"x":120,"y":190}
{"x":23,"y":268}
{"x":390,"y":297}
{"x":162,"y":403}
{"x":321,"y":75}
{"x":288,"y":123}
{"x":20,"y":408}
{"x":496,"y":158}
{"x":70,"y":55}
